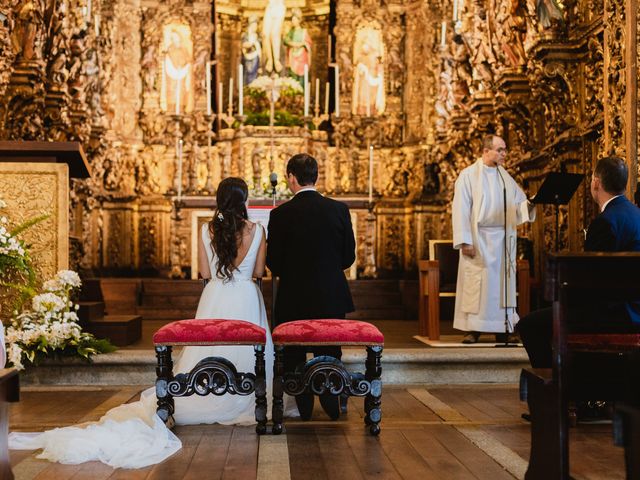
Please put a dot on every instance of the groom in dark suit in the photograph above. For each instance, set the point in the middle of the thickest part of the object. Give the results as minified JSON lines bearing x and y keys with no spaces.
{"x":310,"y":244}
{"x":615,"y":229}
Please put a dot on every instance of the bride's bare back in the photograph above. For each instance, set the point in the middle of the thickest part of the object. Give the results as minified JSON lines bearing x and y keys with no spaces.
{"x":244,"y":244}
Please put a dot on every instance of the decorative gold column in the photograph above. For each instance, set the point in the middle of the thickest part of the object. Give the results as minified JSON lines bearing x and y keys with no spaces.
{"x":620,"y":81}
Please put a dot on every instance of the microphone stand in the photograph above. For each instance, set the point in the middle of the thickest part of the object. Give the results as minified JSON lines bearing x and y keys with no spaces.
{"x":506,"y":264}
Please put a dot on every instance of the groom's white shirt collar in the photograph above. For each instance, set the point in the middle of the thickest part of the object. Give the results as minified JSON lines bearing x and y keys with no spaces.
{"x":306,"y":189}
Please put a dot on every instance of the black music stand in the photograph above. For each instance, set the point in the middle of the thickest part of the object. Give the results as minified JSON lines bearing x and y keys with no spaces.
{"x":557,"y":189}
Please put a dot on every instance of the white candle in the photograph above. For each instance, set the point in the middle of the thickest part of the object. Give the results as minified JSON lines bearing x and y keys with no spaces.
{"x":88,"y":17}
{"x":370,"y":173}
{"x":230,"y":96}
{"x":178,"y":96}
{"x":326,"y":98}
{"x":317,"y":102}
{"x":306,"y":90}
{"x":336,"y":72}
{"x":207,"y":80}
{"x":179,"y":169}
{"x":455,"y":10}
{"x":219,"y":98}
{"x":240,"y":90}
{"x":96,"y":24}
{"x":443,"y":34}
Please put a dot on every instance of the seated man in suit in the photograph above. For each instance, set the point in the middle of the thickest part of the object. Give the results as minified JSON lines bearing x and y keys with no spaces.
{"x":615,"y":229}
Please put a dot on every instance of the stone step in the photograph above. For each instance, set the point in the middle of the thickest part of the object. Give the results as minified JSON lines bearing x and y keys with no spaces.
{"x":90,"y":311}
{"x":399,"y":366}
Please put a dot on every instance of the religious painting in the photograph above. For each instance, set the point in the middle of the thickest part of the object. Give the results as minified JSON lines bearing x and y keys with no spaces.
{"x":368,"y":75}
{"x":176,"y":95}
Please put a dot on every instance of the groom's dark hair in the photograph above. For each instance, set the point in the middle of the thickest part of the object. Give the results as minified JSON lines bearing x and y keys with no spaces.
{"x":304,"y":167}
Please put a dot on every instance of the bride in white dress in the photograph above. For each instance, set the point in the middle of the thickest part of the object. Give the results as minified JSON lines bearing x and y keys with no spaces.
{"x":132,"y":435}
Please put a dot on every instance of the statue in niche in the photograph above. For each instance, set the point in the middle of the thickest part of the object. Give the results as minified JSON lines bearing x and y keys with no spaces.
{"x":514,"y":34}
{"x":176,"y":93}
{"x":25,"y":38}
{"x":149,"y":66}
{"x":368,"y":74}
{"x":272,"y":34}
{"x":251,"y":51}
{"x":298,"y":43}
{"x":549,"y":12}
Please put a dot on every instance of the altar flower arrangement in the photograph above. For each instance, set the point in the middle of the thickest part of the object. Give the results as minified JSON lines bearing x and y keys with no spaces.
{"x":289,"y":101}
{"x":50,"y":327}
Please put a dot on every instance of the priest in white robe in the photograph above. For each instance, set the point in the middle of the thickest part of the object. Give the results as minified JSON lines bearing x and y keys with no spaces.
{"x":479,"y":233}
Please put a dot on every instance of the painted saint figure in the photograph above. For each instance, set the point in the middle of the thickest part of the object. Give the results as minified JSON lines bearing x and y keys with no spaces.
{"x":298,"y":43}
{"x":368,"y":82}
{"x":251,"y":51}
{"x":272,"y":34}
{"x":176,"y":95}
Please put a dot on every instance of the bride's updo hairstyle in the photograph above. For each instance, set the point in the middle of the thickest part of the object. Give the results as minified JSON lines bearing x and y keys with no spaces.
{"x":228,"y":221}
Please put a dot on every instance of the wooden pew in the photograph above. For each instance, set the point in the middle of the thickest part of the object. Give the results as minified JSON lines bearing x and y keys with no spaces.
{"x":442,"y":267}
{"x":626,"y":433}
{"x":9,"y":392}
{"x":597,"y":364}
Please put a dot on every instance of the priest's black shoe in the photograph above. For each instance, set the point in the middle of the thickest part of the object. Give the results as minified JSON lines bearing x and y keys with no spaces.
{"x":331,"y":405}
{"x":304,"y":401}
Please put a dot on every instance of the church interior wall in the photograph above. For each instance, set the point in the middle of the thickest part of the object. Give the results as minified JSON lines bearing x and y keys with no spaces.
{"x":555,"y":79}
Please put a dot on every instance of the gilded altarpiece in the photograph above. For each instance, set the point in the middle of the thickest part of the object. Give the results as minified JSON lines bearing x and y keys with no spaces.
{"x":556,"y":79}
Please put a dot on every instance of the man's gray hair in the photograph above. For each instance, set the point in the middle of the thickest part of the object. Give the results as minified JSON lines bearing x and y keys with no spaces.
{"x":487,"y":141}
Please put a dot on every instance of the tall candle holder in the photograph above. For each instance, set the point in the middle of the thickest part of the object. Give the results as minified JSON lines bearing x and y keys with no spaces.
{"x":209,"y":188}
{"x":318,"y":119}
{"x":176,"y":189}
{"x":370,"y":270}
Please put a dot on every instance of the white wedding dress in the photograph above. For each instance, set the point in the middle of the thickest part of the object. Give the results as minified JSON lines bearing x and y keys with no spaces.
{"x":132,"y":435}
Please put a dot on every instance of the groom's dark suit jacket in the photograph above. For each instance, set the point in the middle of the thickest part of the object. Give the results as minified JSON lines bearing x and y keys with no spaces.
{"x":310,"y":243}
{"x":617,"y":229}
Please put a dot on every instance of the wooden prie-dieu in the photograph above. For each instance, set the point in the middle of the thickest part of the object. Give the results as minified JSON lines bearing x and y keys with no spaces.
{"x":211,"y":375}
{"x":327,"y":375}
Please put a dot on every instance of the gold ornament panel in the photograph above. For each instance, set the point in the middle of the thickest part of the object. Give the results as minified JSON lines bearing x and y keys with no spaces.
{"x":31,"y":190}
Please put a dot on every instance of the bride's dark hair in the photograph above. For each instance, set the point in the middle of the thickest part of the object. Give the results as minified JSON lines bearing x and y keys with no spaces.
{"x":228,"y":222}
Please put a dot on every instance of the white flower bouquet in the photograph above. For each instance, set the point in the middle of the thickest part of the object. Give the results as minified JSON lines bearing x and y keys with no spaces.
{"x":50,"y":328}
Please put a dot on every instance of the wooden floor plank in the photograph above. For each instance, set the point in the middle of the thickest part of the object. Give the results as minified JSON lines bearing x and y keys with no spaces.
{"x":213,"y":449}
{"x":475,"y":460}
{"x":406,"y":460}
{"x":370,"y":456}
{"x":439,"y":458}
{"x":242,"y":457}
{"x":305,"y":458}
{"x":177,"y":465}
{"x":339,"y":460}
